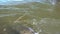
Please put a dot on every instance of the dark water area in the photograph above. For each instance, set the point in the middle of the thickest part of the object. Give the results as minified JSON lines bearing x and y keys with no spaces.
{"x":43,"y":17}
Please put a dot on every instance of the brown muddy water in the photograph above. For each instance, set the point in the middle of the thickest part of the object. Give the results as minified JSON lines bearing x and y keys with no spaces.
{"x":42,"y":18}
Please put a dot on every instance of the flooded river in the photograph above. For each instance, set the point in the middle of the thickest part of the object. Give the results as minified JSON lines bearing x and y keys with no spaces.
{"x":42,"y":17}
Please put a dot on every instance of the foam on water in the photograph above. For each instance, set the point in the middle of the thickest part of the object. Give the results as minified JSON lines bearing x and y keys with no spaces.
{"x":4,"y":15}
